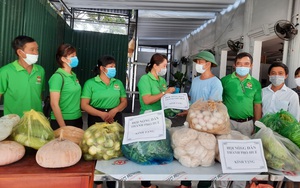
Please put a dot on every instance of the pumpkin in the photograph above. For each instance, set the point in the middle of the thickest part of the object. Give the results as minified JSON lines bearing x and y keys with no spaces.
{"x":11,"y":152}
{"x":58,"y":153}
{"x":7,"y":123}
{"x":71,"y":133}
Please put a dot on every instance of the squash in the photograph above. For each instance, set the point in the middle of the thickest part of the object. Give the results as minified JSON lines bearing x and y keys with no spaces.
{"x":11,"y":152}
{"x":7,"y":123}
{"x":58,"y":153}
{"x":71,"y":133}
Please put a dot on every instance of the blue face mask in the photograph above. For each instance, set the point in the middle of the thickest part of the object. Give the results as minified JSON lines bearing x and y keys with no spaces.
{"x":111,"y":72}
{"x":242,"y":71}
{"x":74,"y":62}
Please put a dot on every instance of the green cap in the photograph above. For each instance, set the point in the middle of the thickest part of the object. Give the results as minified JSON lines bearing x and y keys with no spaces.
{"x":207,"y":56}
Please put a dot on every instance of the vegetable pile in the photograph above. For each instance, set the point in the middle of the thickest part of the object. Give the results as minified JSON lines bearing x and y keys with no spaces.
{"x":33,"y":130}
{"x":193,"y":148}
{"x":102,"y":141}
{"x":149,"y":152}
{"x":280,"y":153}
{"x":209,"y":116}
{"x":285,"y":124}
{"x":7,"y":123}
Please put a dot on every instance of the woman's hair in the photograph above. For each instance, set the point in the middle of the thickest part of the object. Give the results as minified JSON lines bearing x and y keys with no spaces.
{"x":103,"y":61}
{"x":20,"y":41}
{"x":63,"y":51}
{"x":297,"y":71}
{"x":155,"y":59}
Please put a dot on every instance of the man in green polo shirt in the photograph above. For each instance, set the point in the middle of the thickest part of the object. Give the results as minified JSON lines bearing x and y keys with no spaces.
{"x":22,"y":81}
{"x":242,"y":95}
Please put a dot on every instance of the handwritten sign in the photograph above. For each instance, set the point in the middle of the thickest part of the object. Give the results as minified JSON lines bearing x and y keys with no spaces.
{"x":145,"y":127}
{"x":176,"y":101}
{"x":242,"y":156}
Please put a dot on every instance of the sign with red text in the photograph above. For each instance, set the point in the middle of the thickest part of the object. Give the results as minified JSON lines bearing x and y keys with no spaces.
{"x":239,"y":156}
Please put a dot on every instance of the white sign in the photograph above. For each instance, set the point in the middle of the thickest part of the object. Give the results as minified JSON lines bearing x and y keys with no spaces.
{"x":175,"y":101}
{"x":145,"y":127}
{"x":242,"y":156}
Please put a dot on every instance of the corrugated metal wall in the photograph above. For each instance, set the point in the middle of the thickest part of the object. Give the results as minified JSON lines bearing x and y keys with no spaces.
{"x":38,"y":20}
{"x":92,"y":45}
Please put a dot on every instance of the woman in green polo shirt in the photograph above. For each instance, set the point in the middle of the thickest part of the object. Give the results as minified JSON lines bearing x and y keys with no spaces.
{"x":104,"y":97}
{"x":152,"y":87}
{"x":65,"y":90}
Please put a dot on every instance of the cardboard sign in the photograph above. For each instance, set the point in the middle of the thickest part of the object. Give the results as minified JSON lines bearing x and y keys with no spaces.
{"x":145,"y":127}
{"x":242,"y":156}
{"x":176,"y":101}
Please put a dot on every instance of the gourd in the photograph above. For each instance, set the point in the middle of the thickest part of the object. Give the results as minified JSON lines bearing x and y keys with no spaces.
{"x":7,"y":123}
{"x":11,"y":152}
{"x":58,"y":153}
{"x":71,"y":133}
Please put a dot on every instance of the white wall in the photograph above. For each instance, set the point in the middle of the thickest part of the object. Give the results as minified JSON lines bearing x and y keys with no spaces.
{"x":254,"y":20}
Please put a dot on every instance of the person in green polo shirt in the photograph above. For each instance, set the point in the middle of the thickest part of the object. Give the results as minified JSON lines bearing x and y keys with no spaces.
{"x":22,"y":81}
{"x":152,"y":87}
{"x":104,"y":97}
{"x":65,"y":90}
{"x":242,"y":95}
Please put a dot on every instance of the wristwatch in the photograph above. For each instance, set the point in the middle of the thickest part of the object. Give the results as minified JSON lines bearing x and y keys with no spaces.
{"x":163,"y":93}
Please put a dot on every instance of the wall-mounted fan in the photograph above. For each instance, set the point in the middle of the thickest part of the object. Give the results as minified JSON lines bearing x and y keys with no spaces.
{"x":235,"y":46}
{"x":285,"y":30}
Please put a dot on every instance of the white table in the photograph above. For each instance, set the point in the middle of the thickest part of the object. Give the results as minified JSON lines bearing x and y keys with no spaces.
{"x":124,"y":170}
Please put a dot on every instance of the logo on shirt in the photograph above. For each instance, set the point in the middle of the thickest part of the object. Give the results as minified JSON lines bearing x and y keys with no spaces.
{"x":164,"y":86}
{"x":77,"y":81}
{"x":249,"y":85}
{"x":38,"y":80}
{"x":116,"y":87}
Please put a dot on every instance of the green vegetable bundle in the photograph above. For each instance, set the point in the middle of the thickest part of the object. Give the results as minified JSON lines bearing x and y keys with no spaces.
{"x":280,"y":153}
{"x":102,"y":141}
{"x":149,"y":152}
{"x":33,"y":130}
{"x":285,"y":124}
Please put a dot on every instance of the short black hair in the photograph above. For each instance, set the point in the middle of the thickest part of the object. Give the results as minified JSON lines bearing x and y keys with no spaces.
{"x":286,"y":69}
{"x":103,"y":61}
{"x":297,"y":71}
{"x":20,"y":41}
{"x":243,"y":54}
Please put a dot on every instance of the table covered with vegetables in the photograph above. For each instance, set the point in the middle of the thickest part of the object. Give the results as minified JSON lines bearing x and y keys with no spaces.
{"x":189,"y":152}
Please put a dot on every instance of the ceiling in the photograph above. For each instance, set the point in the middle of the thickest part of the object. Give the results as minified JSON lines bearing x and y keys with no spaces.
{"x":161,"y":22}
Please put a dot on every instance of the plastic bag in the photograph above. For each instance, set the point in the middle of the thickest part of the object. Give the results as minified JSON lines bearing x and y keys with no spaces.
{"x":193,"y":148}
{"x":102,"y":141}
{"x":149,"y":152}
{"x":260,"y":185}
{"x":285,"y":124}
{"x":280,"y":153}
{"x":209,"y":116}
{"x":171,"y":113}
{"x":33,"y":130}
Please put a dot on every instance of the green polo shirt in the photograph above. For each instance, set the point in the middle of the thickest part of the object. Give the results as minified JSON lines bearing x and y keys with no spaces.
{"x":70,"y":92}
{"x":22,"y":91}
{"x":149,"y":85}
{"x":240,"y":97}
{"x":102,"y":95}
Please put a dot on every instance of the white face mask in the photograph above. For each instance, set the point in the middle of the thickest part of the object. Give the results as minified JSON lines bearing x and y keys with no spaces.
{"x":277,"y":80}
{"x":297,"y":81}
{"x":30,"y":58}
{"x":162,"y":72}
{"x":199,"y":68}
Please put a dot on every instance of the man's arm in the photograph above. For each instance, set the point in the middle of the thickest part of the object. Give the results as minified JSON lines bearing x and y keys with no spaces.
{"x":257,"y":111}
